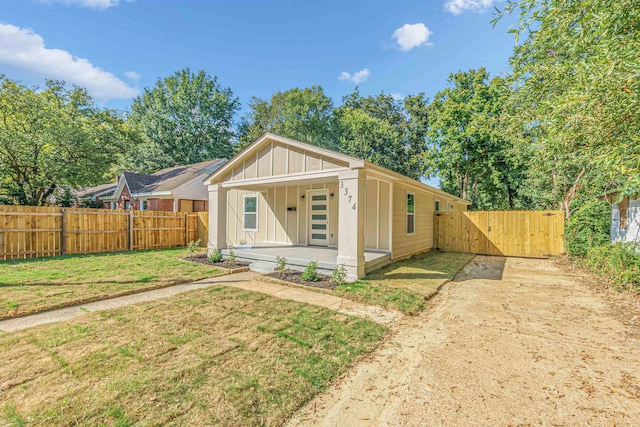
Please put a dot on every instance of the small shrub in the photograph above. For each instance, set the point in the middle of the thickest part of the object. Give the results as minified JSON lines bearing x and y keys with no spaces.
{"x":281,"y":264}
{"x":232,"y":256}
{"x":620,"y":262}
{"x":216,"y":256}
{"x":193,"y":247}
{"x":310,"y":273}
{"x":339,"y":275}
{"x":588,"y":227}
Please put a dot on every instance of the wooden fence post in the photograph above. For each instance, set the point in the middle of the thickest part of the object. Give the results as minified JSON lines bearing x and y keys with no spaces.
{"x":130,"y":230}
{"x":186,"y":229}
{"x":63,"y":234}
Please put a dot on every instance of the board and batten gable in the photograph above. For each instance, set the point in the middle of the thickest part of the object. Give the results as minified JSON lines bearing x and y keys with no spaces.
{"x":278,"y":159}
{"x":629,"y":232}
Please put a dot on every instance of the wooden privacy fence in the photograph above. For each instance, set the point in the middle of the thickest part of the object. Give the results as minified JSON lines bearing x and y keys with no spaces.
{"x":534,"y":234}
{"x":27,"y":231}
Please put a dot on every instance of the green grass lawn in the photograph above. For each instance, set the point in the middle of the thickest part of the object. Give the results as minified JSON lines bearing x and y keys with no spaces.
{"x":405,"y":285}
{"x":217,"y":356}
{"x":33,"y":285}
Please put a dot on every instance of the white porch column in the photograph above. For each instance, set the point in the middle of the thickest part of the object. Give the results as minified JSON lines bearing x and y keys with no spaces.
{"x":351,"y":206}
{"x":217,"y":217}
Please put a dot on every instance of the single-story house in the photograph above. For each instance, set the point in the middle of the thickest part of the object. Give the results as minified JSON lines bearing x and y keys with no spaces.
{"x":280,"y":192}
{"x":625,"y":219}
{"x":177,"y":189}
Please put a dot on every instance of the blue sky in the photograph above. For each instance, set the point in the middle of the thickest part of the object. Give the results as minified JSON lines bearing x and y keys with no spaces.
{"x":115,"y":48}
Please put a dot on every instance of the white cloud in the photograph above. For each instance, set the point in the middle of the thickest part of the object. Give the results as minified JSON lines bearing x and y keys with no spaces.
{"x":25,"y":50}
{"x":459,"y":6}
{"x":410,"y":36}
{"x":357,"y":77}
{"x":132,"y":75}
{"x":95,"y":4}
{"x":397,"y":96}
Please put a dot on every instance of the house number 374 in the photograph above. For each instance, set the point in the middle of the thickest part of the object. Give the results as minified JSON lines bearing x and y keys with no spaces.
{"x":346,"y":193}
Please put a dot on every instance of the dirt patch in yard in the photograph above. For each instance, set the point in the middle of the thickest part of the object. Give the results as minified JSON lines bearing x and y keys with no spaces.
{"x":204,"y":259}
{"x":509,"y":342}
{"x":291,"y":276}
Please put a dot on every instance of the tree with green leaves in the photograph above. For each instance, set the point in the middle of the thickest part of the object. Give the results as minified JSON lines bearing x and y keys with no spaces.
{"x":185,"y":118}
{"x":301,"y":114}
{"x":467,"y":148}
{"x":53,"y":140}
{"x":382,"y":130}
{"x":576,"y":80}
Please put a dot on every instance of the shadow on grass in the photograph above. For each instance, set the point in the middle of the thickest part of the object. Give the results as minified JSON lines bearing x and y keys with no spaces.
{"x":80,"y":256}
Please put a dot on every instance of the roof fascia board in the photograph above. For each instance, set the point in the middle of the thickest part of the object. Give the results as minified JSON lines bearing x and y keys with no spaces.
{"x":255,"y":145}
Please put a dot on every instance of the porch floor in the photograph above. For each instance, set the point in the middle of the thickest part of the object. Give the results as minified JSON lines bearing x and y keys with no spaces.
{"x":298,"y":257}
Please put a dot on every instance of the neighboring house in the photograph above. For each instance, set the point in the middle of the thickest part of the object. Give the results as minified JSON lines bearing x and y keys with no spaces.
{"x":625,"y":219}
{"x":177,"y":189}
{"x":95,"y":194}
{"x":281,"y":191}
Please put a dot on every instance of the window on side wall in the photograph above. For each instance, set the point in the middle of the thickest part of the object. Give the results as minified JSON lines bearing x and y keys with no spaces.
{"x":127,"y":204}
{"x":250,"y":217}
{"x":411,"y":214}
{"x":437,"y":206}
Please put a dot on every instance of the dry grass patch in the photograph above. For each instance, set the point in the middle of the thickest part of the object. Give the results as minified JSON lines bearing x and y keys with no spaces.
{"x":406,"y":284}
{"x":34,"y":285}
{"x":217,"y":356}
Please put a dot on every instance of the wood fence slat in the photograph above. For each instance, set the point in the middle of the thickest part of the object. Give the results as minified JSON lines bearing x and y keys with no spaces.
{"x":512,"y":233}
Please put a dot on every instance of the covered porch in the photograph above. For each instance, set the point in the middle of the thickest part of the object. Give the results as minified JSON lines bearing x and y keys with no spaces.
{"x":263,"y":257}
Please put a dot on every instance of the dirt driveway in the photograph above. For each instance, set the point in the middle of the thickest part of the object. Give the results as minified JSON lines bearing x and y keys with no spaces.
{"x":509,"y":342}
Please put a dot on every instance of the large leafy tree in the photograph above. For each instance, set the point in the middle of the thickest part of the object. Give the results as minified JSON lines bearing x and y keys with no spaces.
{"x":576,"y":79}
{"x":53,"y":140}
{"x":301,"y":114}
{"x":185,"y":118}
{"x":385,"y":131}
{"x":467,"y":148}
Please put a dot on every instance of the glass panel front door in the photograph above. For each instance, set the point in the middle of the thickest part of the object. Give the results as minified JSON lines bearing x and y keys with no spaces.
{"x":319,"y":217}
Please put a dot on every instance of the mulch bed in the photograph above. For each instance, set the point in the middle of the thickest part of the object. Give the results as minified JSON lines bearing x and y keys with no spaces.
{"x":203,"y":259}
{"x":293,"y":276}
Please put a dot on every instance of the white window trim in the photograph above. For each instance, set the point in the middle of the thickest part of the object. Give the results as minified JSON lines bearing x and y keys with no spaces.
{"x":437,"y":201}
{"x":407,"y":213}
{"x":255,"y":195}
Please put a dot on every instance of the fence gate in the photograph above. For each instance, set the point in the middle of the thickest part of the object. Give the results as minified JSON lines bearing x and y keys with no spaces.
{"x":534,"y":234}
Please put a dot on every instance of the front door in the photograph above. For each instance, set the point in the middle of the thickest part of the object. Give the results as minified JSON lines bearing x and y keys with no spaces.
{"x":319,"y":217}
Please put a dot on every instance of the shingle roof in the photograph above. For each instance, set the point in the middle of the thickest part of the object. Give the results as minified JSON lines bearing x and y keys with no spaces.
{"x":90,"y":191}
{"x":173,"y":177}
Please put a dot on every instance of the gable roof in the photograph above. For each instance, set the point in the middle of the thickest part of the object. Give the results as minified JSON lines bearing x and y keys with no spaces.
{"x":353,"y":162}
{"x":165,"y":180}
{"x":169,"y":179}
{"x":266,"y":138}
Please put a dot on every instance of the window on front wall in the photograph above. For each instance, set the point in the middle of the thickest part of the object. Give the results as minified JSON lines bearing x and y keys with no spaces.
{"x":127,"y":204}
{"x":411,"y":213}
{"x":250,"y":221}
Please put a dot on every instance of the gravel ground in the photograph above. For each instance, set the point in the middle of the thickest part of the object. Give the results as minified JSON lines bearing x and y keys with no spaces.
{"x":508,"y":342}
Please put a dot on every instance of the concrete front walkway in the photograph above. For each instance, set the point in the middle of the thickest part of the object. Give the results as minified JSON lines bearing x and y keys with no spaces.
{"x":244,"y":281}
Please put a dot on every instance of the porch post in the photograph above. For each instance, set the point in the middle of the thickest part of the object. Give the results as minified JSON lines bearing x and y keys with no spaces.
{"x":217,"y":217}
{"x":351,"y":206}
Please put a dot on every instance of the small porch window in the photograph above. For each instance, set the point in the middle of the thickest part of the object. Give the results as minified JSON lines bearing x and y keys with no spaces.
{"x":250,"y":217}
{"x":411,"y":214}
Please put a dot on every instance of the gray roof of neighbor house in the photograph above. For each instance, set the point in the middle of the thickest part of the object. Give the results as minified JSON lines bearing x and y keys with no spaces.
{"x":92,"y":191}
{"x":173,"y":177}
{"x":163,"y":180}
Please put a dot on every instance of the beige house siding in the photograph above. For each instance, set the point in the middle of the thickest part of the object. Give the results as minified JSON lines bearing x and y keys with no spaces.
{"x":278,"y":159}
{"x":377,"y":214}
{"x":405,"y":245}
{"x":276,"y":223}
